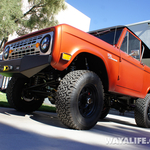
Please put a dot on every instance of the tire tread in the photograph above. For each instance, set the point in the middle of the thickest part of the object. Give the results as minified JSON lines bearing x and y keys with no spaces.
{"x":139,"y":112}
{"x":64,"y":94}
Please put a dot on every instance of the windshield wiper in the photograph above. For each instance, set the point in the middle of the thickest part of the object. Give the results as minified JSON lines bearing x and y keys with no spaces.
{"x":101,"y":32}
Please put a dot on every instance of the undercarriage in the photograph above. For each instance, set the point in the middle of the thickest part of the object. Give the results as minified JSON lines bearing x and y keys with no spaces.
{"x":45,"y":84}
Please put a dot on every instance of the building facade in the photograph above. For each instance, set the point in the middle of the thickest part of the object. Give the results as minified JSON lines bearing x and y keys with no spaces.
{"x":142,"y":30}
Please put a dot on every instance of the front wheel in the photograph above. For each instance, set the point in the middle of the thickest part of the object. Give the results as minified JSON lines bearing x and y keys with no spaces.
{"x":105,"y":112}
{"x":80,"y":99}
{"x":20,"y":98}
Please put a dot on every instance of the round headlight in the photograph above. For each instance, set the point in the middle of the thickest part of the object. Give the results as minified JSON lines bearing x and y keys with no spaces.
{"x":6,"y":52}
{"x":45,"y":42}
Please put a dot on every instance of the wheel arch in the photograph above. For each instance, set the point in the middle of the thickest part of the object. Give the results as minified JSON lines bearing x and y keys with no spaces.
{"x":93,"y":63}
{"x":147,"y":92}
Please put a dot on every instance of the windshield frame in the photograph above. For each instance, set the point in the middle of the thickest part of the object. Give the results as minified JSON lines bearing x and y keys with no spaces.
{"x":103,"y":34}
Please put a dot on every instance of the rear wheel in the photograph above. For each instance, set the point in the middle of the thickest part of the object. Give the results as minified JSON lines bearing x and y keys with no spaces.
{"x":20,"y":98}
{"x":80,"y":99}
{"x":142,"y":112}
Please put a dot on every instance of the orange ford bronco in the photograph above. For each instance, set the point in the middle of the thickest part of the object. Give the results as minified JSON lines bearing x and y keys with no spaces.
{"x":84,"y":74}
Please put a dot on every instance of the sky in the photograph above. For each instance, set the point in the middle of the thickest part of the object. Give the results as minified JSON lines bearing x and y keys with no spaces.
{"x":107,"y":13}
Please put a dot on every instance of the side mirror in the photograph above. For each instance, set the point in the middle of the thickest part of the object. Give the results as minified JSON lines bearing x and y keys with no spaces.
{"x":134,"y":53}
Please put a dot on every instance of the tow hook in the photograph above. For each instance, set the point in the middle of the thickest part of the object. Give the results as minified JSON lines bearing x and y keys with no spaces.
{"x":7,"y":68}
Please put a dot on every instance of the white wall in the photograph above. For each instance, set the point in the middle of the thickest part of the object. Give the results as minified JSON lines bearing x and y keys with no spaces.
{"x":142,"y":30}
{"x":74,"y":17}
{"x":70,"y":16}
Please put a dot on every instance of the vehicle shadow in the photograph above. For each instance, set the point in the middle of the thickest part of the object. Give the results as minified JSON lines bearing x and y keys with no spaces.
{"x":11,"y":111}
{"x":112,"y":126}
{"x":39,"y":116}
{"x":47,"y":118}
{"x":52,"y":119}
{"x":119,"y":121}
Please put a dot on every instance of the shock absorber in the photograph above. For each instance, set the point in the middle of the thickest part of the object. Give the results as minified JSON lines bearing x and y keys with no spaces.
{"x":37,"y":80}
{"x":73,"y":67}
{"x":86,"y":64}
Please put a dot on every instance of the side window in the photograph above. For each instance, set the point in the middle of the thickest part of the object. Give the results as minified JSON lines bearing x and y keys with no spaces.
{"x":134,"y":46}
{"x":145,"y":55}
{"x":131,"y":46}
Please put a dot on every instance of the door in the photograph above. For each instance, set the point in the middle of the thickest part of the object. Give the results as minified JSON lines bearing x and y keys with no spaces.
{"x":130,"y":68}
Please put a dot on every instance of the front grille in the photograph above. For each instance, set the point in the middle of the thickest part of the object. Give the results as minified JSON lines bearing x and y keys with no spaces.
{"x":21,"y":53}
{"x":25,"y":47}
{"x":29,"y":46}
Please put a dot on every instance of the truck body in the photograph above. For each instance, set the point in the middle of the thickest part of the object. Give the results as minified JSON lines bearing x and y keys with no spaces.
{"x":48,"y":57}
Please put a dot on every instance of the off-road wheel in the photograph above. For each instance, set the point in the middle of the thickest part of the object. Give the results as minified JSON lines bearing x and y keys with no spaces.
{"x":80,"y":99}
{"x":105,"y":112}
{"x":142,"y":112}
{"x":20,"y":98}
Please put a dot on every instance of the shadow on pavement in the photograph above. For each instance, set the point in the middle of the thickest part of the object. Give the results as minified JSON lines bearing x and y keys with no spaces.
{"x":11,"y":111}
{"x":14,"y":139}
{"x":39,"y":116}
{"x":52,"y":119}
{"x":47,"y":118}
{"x":108,"y":119}
{"x":112,"y":126}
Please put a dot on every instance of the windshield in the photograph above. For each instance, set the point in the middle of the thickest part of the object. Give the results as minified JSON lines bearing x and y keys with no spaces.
{"x":109,"y":36}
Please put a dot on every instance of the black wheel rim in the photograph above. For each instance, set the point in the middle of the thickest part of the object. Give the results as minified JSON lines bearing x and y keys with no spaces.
{"x":87,"y":102}
{"x":148,"y":112}
{"x":26,"y":95}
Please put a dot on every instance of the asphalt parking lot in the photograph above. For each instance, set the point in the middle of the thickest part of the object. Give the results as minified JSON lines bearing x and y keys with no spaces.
{"x":44,"y":131}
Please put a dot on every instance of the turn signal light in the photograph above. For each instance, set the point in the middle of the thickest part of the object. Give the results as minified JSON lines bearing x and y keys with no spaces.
{"x":66,"y":56}
{"x":37,"y":45}
{"x":10,"y":51}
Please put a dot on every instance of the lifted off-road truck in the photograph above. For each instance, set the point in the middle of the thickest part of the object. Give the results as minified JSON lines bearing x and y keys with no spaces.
{"x":84,"y":74}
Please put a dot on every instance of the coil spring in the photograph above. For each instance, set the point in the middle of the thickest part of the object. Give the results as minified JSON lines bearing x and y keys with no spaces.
{"x":72,"y":68}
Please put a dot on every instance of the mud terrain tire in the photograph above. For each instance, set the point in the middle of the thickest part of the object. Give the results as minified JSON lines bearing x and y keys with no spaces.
{"x":105,"y":112}
{"x":142,"y":112}
{"x":15,"y":96}
{"x":80,"y":99}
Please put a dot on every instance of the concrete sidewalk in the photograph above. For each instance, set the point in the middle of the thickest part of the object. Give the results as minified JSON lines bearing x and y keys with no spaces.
{"x":44,"y":131}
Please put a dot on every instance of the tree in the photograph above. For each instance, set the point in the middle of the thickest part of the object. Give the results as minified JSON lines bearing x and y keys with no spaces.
{"x":9,"y":12}
{"x":40,"y":14}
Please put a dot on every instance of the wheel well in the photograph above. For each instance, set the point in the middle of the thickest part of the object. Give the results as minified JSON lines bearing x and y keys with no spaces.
{"x":93,"y":63}
{"x":148,"y":92}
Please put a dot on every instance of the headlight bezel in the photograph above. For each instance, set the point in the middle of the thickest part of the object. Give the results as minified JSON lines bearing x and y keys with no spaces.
{"x":6,"y":52}
{"x":35,"y":47}
{"x":44,"y":45}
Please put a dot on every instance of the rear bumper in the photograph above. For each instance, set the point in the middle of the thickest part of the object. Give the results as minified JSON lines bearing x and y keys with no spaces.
{"x":27,"y":66}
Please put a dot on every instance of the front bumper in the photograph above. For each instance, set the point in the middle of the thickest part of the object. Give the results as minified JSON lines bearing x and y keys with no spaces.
{"x":27,"y":66}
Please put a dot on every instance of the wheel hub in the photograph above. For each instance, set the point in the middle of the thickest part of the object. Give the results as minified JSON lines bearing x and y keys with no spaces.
{"x":27,"y":96}
{"x":89,"y":101}
{"x":28,"y":99}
